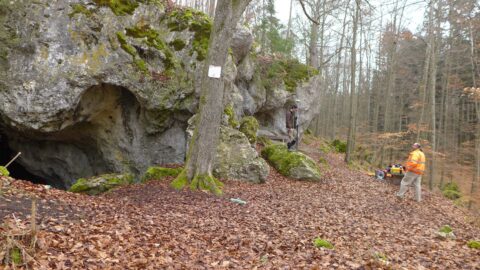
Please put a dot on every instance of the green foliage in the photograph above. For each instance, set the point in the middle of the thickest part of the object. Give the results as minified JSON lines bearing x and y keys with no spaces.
{"x":195,"y":21}
{"x":79,"y":9}
{"x":451,"y":191}
{"x":158,"y":173}
{"x":249,"y":126}
{"x":340,"y":146}
{"x":473,"y":244}
{"x":284,"y":161}
{"x":289,"y":71}
{"x":268,"y":30}
{"x":230,"y":113}
{"x":4,"y":171}
{"x":16,"y":256}
{"x":264,"y":141}
{"x":319,"y":243}
{"x":446,"y":229}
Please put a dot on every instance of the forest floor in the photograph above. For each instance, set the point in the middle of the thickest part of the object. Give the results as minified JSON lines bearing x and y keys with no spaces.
{"x":152,"y":226}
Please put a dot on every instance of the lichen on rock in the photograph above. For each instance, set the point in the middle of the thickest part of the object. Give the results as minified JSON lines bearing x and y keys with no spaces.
{"x":237,"y":160}
{"x":291,"y":163}
{"x":100,"y":184}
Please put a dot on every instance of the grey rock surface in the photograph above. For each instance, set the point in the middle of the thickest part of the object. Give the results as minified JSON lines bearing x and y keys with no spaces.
{"x":79,"y":101}
{"x":237,"y":160}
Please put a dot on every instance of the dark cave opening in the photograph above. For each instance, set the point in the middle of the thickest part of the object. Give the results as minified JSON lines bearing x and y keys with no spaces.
{"x":16,"y":169}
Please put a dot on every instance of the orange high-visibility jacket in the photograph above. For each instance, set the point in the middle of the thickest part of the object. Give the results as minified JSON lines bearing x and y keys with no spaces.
{"x":416,"y":162}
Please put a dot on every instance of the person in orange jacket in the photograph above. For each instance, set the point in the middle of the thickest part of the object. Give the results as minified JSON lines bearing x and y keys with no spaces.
{"x":414,"y":169}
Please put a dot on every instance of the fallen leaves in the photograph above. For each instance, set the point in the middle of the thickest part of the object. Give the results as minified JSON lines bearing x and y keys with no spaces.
{"x":151,"y":226}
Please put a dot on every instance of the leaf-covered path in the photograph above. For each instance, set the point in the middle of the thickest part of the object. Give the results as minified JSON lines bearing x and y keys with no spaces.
{"x":151,"y":226}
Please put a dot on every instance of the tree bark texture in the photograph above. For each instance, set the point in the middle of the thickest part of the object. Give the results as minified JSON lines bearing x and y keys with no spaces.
{"x":201,"y":153}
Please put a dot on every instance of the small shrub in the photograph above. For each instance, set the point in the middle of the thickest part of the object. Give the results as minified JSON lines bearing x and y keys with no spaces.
{"x":473,"y":244}
{"x":451,"y":191}
{"x":446,"y":229}
{"x":319,"y":243}
{"x":340,"y":146}
{"x":451,"y":194}
{"x":4,"y":171}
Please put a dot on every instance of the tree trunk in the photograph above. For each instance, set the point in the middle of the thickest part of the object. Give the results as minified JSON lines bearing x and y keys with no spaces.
{"x":202,"y":149}
{"x":353,"y":109}
{"x":337,"y":79}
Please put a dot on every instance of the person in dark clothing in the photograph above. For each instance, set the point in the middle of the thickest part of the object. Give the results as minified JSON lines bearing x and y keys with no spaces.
{"x":291,"y":123}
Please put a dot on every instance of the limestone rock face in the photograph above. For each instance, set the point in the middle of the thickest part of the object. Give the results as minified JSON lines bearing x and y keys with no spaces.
{"x":237,"y":160}
{"x":87,"y":88}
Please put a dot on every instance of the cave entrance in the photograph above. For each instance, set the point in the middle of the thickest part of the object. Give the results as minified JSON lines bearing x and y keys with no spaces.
{"x":16,"y":169}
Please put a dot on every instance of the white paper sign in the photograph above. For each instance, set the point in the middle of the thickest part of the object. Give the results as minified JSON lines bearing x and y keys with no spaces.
{"x":214,"y":71}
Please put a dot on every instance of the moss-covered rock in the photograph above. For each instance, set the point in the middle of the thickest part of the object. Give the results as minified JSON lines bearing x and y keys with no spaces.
{"x":4,"y":171}
{"x":158,"y":173}
{"x":237,"y":160}
{"x":288,"y":71}
{"x":231,"y":117}
{"x":249,"y":126}
{"x":292,"y":164}
{"x":195,"y":21}
{"x":102,"y":183}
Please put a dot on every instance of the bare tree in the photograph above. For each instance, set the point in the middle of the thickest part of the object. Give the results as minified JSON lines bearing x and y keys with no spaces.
{"x":201,"y":153}
{"x":353,"y":65}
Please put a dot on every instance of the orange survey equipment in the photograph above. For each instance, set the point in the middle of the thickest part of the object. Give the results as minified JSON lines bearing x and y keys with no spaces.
{"x":416,"y":162}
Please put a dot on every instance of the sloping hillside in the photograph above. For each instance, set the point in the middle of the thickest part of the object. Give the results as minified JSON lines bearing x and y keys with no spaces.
{"x":151,"y":226}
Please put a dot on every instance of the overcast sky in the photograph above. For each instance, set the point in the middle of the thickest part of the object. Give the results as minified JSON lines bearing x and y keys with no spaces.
{"x":414,"y":11}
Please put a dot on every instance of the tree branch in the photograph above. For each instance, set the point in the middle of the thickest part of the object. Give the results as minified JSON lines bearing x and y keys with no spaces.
{"x":306,"y":13}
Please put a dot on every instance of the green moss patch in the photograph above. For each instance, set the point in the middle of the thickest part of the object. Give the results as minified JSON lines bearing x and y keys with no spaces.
{"x":230,"y":113}
{"x":322,"y":243}
{"x":4,"y":171}
{"x":473,"y":244}
{"x":289,"y":71}
{"x":119,"y":7}
{"x":195,"y":21}
{"x":340,"y":146}
{"x":249,"y":126}
{"x":199,"y":182}
{"x":79,"y":9}
{"x":177,"y":44}
{"x":158,"y":173}
{"x":291,"y":163}
{"x":154,"y":40}
{"x":102,"y":183}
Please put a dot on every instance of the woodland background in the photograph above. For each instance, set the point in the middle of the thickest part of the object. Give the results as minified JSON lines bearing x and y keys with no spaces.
{"x":408,"y":85}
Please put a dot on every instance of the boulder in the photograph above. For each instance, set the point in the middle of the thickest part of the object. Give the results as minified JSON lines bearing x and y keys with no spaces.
{"x":241,"y":43}
{"x":100,"y":184}
{"x":237,"y":160}
{"x":291,"y":163}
